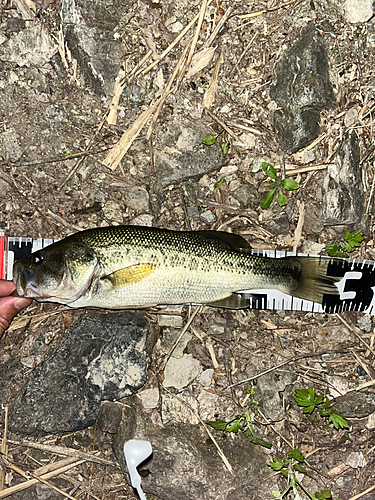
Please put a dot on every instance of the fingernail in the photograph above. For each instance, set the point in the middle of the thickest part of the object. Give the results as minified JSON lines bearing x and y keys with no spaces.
{"x":21,"y":303}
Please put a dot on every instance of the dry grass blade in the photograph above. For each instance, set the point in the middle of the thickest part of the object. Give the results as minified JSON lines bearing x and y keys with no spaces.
{"x":61,"y":450}
{"x":167,"y":91}
{"x":222,"y":124}
{"x":174,"y":43}
{"x":261,"y":12}
{"x":209,"y":95}
{"x":243,"y":53}
{"x":218,"y":26}
{"x":200,"y":60}
{"x":298,"y":231}
{"x":120,"y":149}
{"x":203,"y":8}
{"x":4,"y":447}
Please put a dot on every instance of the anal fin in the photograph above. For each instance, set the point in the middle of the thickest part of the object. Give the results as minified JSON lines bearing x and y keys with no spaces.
{"x":233,"y":301}
{"x":130,"y":275}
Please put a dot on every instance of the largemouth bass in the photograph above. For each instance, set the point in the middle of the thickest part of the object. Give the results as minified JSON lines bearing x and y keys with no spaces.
{"x":128,"y":266}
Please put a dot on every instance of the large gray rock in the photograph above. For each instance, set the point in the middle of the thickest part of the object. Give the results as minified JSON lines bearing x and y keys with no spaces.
{"x":343,"y":197}
{"x":185,"y":464}
{"x":183,"y":155}
{"x":89,"y":32}
{"x":302,"y":90}
{"x":101,"y":359}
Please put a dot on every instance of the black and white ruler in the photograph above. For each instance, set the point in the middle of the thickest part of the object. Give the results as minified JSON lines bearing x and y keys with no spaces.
{"x":356,"y":287}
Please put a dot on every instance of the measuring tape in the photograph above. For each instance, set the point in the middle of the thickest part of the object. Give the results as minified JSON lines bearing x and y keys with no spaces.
{"x":356,"y":286}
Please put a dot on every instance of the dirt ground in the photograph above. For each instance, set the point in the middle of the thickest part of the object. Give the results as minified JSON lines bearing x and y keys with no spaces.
{"x":57,"y":178}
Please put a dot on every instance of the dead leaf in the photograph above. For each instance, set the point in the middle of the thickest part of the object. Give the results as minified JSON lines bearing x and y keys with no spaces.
{"x":200,"y":60}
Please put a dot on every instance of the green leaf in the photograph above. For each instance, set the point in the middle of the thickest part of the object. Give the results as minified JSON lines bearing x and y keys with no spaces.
{"x":234,"y":426}
{"x":307,"y":399}
{"x":269,"y":170}
{"x":267,"y":199}
{"x":261,"y":442}
{"x":352,"y":240}
{"x":297,"y":455}
{"x":289,"y":184}
{"x":299,"y":468}
{"x":338,"y":421}
{"x":219,"y":183}
{"x":67,"y":153}
{"x":209,"y":139}
{"x":224,"y":146}
{"x":218,"y":424}
{"x":282,"y":199}
{"x":335,"y":250}
{"x":323,"y":495}
{"x":278,"y":463}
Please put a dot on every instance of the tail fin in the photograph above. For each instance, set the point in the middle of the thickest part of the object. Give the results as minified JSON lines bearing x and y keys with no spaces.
{"x":313,"y":281}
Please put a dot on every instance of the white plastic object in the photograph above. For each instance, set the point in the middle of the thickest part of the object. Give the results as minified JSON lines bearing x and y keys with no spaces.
{"x":136,"y":452}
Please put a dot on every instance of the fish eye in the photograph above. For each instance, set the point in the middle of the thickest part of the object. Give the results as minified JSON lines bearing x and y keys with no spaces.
{"x":37,"y":258}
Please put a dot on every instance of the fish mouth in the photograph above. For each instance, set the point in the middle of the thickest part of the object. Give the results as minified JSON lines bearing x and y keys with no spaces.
{"x":24,"y":279}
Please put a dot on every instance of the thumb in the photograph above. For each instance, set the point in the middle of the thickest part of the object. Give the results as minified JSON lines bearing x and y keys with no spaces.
{"x":9,"y":307}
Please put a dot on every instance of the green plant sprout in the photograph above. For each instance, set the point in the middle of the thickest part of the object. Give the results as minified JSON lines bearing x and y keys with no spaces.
{"x":276,"y":186}
{"x":289,"y":467}
{"x":309,"y":401}
{"x":242,"y":422}
{"x":346,"y":245}
{"x":210,"y":139}
{"x":67,"y":153}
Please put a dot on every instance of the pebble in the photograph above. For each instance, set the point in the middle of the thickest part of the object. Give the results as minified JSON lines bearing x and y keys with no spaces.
{"x":208,"y":216}
{"x":150,"y":398}
{"x":113,"y":212}
{"x":358,"y":11}
{"x":206,"y":377}
{"x":137,"y":198}
{"x":180,"y":372}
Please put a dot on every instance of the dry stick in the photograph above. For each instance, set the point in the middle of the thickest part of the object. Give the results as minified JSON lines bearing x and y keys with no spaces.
{"x":196,"y":311}
{"x":220,"y":451}
{"x":218,"y":27}
{"x":243,"y":53}
{"x":38,"y":478}
{"x":167,"y":91}
{"x":174,"y":43}
{"x":298,"y":231}
{"x":222,"y":124}
{"x":363,"y":493}
{"x":356,"y":334}
{"x":4,"y":447}
{"x":259,"y":13}
{"x":2,"y":175}
{"x":32,"y":482}
{"x":66,"y":452}
{"x":313,"y":168}
{"x":197,"y":32}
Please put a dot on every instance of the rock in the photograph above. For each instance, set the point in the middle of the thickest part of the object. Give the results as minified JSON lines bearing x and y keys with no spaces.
{"x":30,"y":47}
{"x":137,"y":198}
{"x":109,"y":418}
{"x":112,"y":212}
{"x":245,"y":141}
{"x":351,"y":117}
{"x":365,"y":323}
{"x":184,"y":155}
{"x":179,"y":372}
{"x":10,"y":148}
{"x":208,"y":216}
{"x":358,"y":11}
{"x":179,"y":410}
{"x":313,"y":214}
{"x":185,"y":464}
{"x":206,"y":377}
{"x":101,"y":359}
{"x":150,"y":397}
{"x":88,"y":28}
{"x":270,"y":386}
{"x":343,"y":196}
{"x":302,"y":90}
{"x":246,"y":194}
{"x":356,"y":404}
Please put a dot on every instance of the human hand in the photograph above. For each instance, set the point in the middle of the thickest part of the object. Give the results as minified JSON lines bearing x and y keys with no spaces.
{"x":9,"y":306}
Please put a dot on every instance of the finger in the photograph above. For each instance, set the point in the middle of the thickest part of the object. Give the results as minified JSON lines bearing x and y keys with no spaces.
{"x":9,"y":307}
{"x":6,"y":288}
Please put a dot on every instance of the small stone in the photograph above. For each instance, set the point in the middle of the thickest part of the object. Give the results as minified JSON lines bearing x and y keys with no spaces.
{"x":176,"y":27}
{"x":137,"y":198}
{"x":216,"y":330}
{"x":109,"y":417}
{"x":339,"y":386}
{"x":10,"y":146}
{"x":312,"y":247}
{"x":351,"y":117}
{"x":358,"y":11}
{"x":142,"y":220}
{"x":170,"y":321}
{"x":365,"y":323}
{"x":257,"y":163}
{"x":228,"y":170}
{"x":208,"y":216}
{"x":371,"y":422}
{"x":246,"y":141}
{"x":113,"y":212}
{"x":150,"y":398}
{"x":206,"y":377}
{"x":133,"y":93}
{"x":225,"y":109}
{"x":355,"y":459}
{"x":179,"y":372}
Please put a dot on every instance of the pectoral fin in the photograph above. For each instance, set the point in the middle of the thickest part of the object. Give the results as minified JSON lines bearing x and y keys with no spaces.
{"x":233,"y":301}
{"x":130,"y":275}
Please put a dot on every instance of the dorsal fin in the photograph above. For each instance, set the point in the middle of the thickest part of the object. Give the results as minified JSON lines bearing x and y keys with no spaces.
{"x":229,"y":240}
